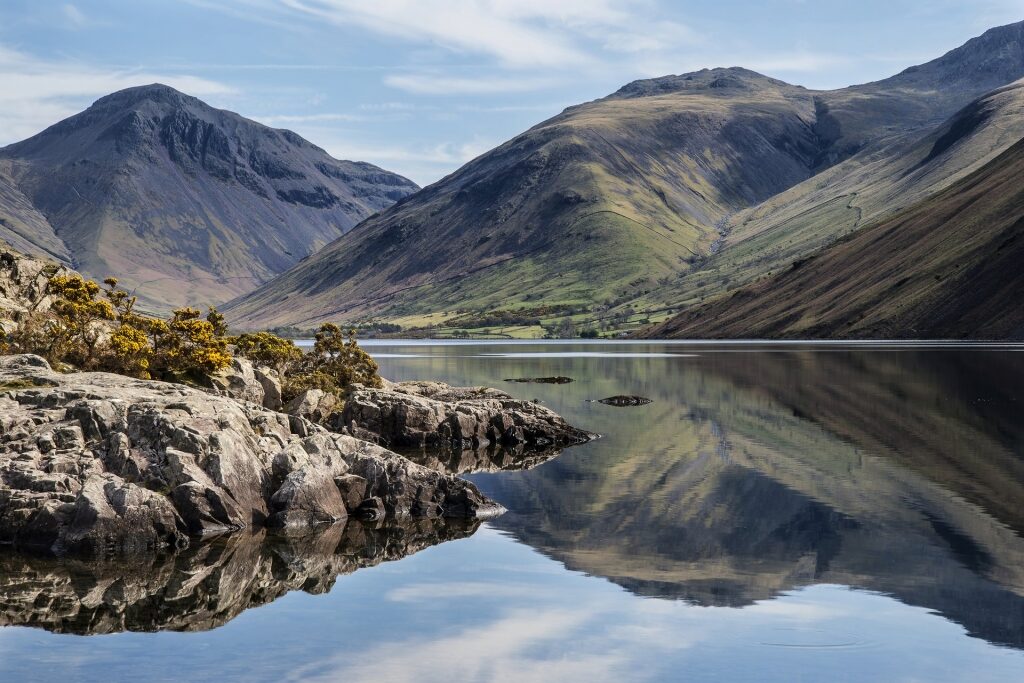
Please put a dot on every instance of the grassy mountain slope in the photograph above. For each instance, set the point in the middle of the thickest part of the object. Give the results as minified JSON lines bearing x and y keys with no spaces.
{"x":564,"y":213}
{"x":611,"y":200}
{"x":770,"y":237}
{"x":186,"y":203}
{"x":947,"y":267}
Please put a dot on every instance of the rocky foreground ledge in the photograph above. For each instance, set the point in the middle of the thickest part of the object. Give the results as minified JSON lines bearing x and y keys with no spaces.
{"x":96,"y":463}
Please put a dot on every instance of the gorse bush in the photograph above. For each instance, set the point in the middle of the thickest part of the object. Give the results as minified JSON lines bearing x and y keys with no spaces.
{"x":89,"y":327}
{"x":264,"y":348}
{"x":334,"y":363}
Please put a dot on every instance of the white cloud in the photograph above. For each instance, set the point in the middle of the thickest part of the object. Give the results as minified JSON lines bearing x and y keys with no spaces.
{"x":35,"y":93}
{"x":515,"y":33}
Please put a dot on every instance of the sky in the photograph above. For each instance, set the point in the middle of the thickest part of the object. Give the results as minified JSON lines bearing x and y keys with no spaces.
{"x":422,"y":86}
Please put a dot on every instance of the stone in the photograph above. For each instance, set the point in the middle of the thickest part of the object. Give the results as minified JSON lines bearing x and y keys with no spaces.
{"x":96,"y":463}
{"x":307,"y":497}
{"x":416,"y":415}
{"x":239,"y":381}
{"x":353,"y":490}
{"x":314,"y":405}
{"x":625,"y":401}
{"x":23,"y":286}
{"x":271,"y":383}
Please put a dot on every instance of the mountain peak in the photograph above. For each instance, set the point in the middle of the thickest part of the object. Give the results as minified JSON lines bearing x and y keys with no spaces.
{"x":202,"y":203}
{"x":988,"y":61}
{"x":722,"y":78}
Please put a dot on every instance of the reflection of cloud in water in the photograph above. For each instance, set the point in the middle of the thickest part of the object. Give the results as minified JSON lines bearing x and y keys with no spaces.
{"x":514,"y":647}
{"x":586,"y":636}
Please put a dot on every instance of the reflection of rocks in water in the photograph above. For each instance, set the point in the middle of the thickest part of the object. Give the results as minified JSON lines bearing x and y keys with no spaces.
{"x":205,"y":586}
{"x":493,"y":458}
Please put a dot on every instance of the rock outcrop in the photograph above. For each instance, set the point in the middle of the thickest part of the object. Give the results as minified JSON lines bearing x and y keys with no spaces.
{"x":411,"y":415}
{"x":23,"y":286}
{"x":96,"y":463}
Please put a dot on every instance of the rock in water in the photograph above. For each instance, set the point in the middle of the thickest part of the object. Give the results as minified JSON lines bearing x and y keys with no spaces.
{"x":541,"y":380}
{"x":624,"y":401}
{"x":96,"y":463}
{"x":433,"y":414}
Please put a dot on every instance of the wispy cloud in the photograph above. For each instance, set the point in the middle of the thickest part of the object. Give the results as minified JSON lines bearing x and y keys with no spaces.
{"x":434,"y":84}
{"x":74,"y":17}
{"x":35,"y":93}
{"x":290,"y":119}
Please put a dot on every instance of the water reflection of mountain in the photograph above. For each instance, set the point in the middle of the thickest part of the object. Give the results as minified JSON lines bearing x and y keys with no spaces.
{"x":205,"y":586}
{"x":753,"y":474}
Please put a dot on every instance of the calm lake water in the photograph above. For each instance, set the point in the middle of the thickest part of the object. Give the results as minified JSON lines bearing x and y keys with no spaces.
{"x":779,"y":512}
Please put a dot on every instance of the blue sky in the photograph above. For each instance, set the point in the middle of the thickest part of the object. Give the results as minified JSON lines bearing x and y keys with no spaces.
{"x":422,"y":86}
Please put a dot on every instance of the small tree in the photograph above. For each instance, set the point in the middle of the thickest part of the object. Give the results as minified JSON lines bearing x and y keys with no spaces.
{"x":76,"y":326}
{"x":335,"y":362}
{"x":189,"y":345}
{"x":267,"y":349}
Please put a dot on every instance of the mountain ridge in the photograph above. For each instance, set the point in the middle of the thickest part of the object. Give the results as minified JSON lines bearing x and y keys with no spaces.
{"x":947,"y":267}
{"x":598,"y":204}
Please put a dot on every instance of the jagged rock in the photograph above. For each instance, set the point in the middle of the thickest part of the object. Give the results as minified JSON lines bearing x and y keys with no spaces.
{"x":98,"y":463}
{"x":23,"y":286}
{"x":271,"y":383}
{"x":432,"y":414}
{"x":239,"y":381}
{"x":558,"y":379}
{"x":308,"y":496}
{"x":314,"y":405}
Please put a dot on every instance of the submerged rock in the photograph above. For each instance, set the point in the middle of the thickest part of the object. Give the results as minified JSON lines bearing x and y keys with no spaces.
{"x":97,"y":463}
{"x":623,"y":401}
{"x":436,"y":415}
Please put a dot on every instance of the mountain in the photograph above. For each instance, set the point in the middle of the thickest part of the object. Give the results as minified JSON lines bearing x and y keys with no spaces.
{"x":768,"y":238}
{"x":185,"y":203}
{"x":948,"y":267}
{"x":609,"y":202}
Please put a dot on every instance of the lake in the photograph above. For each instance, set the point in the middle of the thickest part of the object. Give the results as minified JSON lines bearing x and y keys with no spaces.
{"x":779,"y":512}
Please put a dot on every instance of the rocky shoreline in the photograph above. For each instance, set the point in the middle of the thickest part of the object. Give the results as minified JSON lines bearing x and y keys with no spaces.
{"x":97,"y":464}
